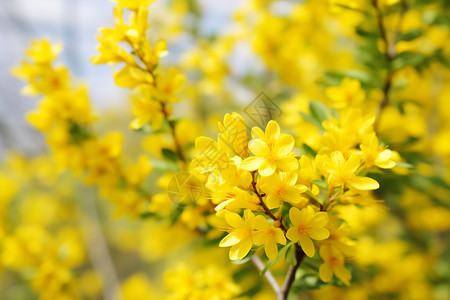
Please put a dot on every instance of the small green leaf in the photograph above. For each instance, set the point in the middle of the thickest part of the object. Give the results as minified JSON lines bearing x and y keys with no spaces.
{"x":311,"y":120}
{"x":309,"y":150}
{"x":320,"y":183}
{"x":404,"y":165}
{"x":319,"y":111}
{"x":405,"y":59}
{"x":290,"y":256}
{"x":175,"y":215}
{"x":147,"y":215}
{"x":271,"y":263}
{"x":410,"y":35}
{"x":169,"y":154}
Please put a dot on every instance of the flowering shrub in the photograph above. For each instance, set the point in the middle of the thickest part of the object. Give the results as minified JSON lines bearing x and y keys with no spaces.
{"x":333,"y":188}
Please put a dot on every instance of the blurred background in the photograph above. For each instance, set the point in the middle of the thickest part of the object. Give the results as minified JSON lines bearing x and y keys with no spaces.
{"x":75,"y":23}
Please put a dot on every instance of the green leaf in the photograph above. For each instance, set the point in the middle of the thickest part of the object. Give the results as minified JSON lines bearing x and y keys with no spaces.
{"x":319,"y":111}
{"x":290,"y":256}
{"x":320,"y":183}
{"x":309,"y":150}
{"x":404,"y":165}
{"x":175,"y":214}
{"x":310,"y":119}
{"x":271,"y":263}
{"x":410,"y":35}
{"x":169,"y":154}
{"x":147,"y":215}
{"x":405,"y":59}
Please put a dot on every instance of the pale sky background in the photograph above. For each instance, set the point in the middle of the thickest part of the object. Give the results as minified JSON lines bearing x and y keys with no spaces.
{"x":75,"y":23}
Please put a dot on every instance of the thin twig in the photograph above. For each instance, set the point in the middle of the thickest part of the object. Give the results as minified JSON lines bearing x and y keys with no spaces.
{"x":269,"y":276}
{"x":290,"y":277}
{"x":148,"y":68}
{"x":261,"y":201}
{"x":389,"y":53}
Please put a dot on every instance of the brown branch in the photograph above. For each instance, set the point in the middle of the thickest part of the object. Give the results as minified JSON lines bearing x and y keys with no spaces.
{"x":290,"y":277}
{"x":261,"y":201}
{"x":149,"y":69}
{"x":389,"y":53}
{"x":269,"y":276}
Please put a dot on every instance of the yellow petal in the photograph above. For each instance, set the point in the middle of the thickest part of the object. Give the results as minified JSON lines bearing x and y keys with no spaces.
{"x":325,"y":272}
{"x":257,"y":133}
{"x":234,"y":220}
{"x":244,"y":248}
{"x":353,"y":163}
{"x":258,"y":147}
{"x":320,"y":219}
{"x":272,"y":130}
{"x":318,"y":233}
{"x":251,"y":163}
{"x":260,"y":222}
{"x":295,"y":216}
{"x":307,"y":245}
{"x":271,"y":250}
{"x":292,"y":234}
{"x":343,"y":274}
{"x":267,"y":169}
{"x":279,"y":236}
{"x":338,"y":158}
{"x":287,"y":163}
{"x":229,"y":240}
{"x":284,"y":145}
{"x":363,"y":183}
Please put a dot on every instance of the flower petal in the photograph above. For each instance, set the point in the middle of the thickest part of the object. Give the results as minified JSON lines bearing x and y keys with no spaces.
{"x":234,"y":220}
{"x":307,"y":245}
{"x":295,"y":216}
{"x":251,"y":163}
{"x":284,"y":145}
{"x":267,"y":169}
{"x":258,"y":147}
{"x":289,"y":163}
{"x":320,"y":219}
{"x":318,"y":233}
{"x":343,"y":274}
{"x":271,"y":250}
{"x":363,"y":183}
{"x":272,"y":131}
{"x":244,"y":248}
{"x":325,"y":272}
{"x":292,"y":234}
{"x":229,"y":240}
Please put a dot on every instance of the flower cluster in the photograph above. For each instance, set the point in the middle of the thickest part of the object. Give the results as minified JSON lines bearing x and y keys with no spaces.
{"x":155,"y":89}
{"x":267,"y":194}
{"x":65,"y":117}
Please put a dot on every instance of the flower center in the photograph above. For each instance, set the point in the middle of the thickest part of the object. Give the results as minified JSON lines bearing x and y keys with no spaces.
{"x":303,"y":228}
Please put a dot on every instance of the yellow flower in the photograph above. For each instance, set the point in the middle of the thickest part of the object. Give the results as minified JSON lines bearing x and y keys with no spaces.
{"x":349,"y":93}
{"x":240,"y":236}
{"x":343,"y":172}
{"x":272,"y":151}
{"x":145,"y":110}
{"x":339,"y":237}
{"x":133,"y":4}
{"x":131,"y":76}
{"x":375,"y":155}
{"x":212,"y":156}
{"x":282,"y":187}
{"x":307,"y":225}
{"x":137,"y":287}
{"x":333,"y":264}
{"x":268,"y":236}
{"x":167,"y":85}
{"x":234,"y":132}
{"x":43,"y":52}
